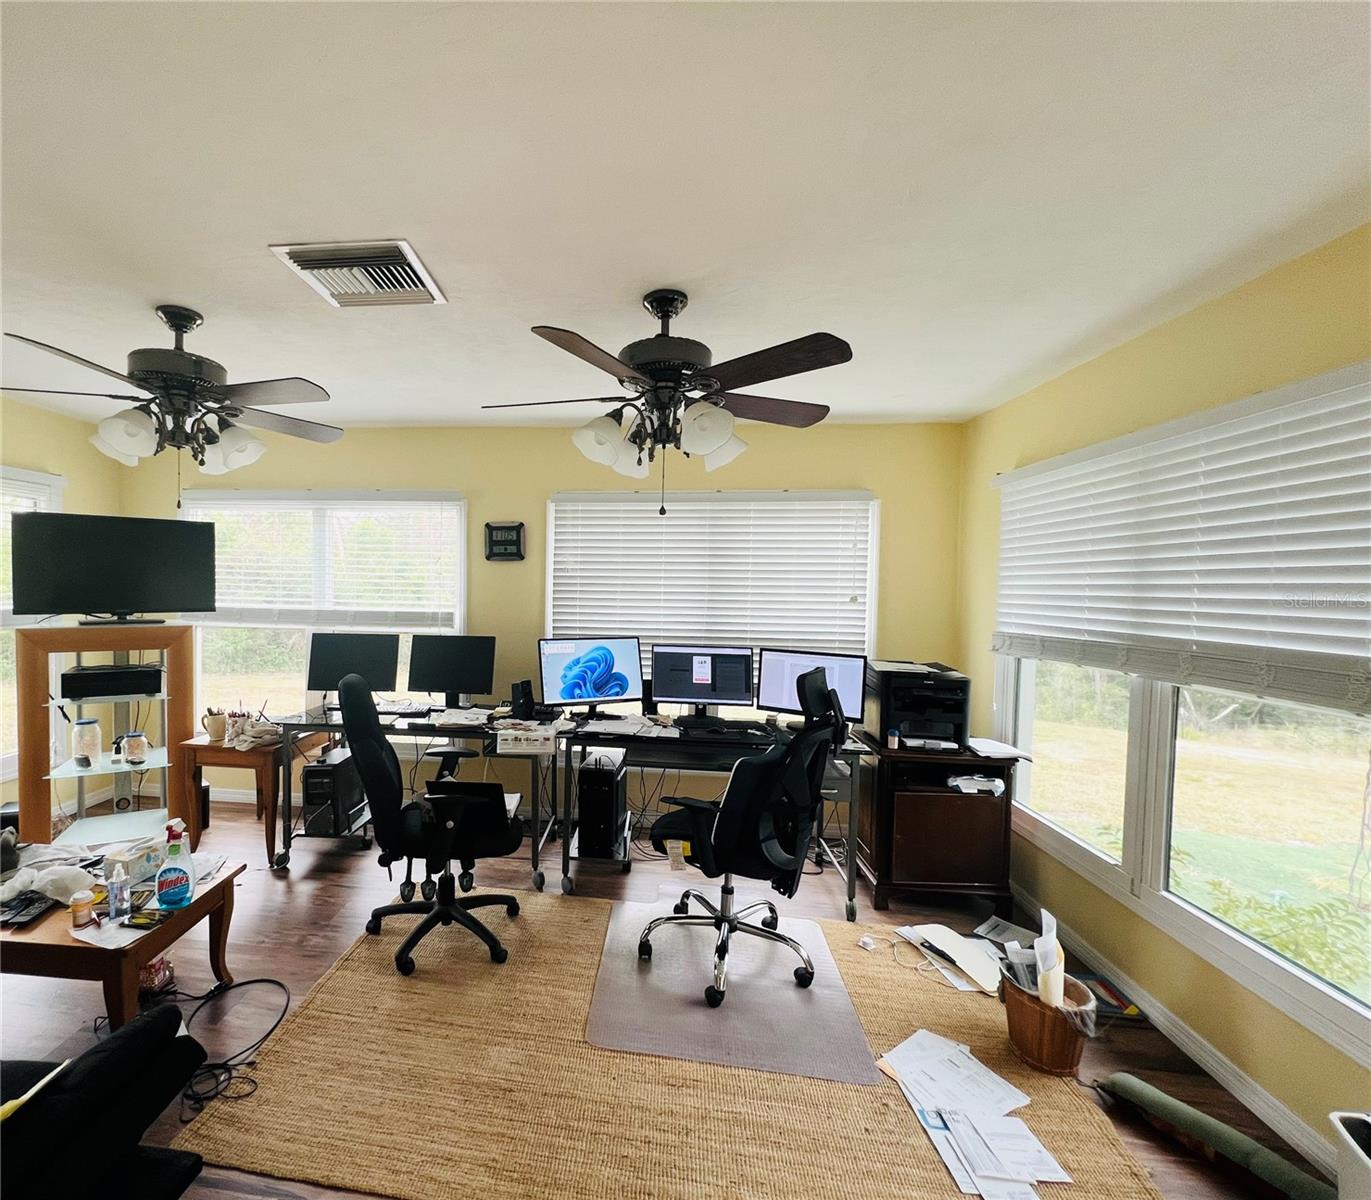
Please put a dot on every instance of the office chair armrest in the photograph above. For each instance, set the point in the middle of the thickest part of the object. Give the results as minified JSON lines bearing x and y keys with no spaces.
{"x":710,"y":806}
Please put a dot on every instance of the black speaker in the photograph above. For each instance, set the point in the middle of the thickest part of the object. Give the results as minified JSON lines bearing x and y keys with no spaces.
{"x":521,"y":700}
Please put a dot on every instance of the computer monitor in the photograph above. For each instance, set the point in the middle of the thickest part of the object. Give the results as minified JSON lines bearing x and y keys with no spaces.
{"x":702,"y":675}
{"x":373,"y":656}
{"x":453,"y":665}
{"x":781,"y":668}
{"x":590,"y":670}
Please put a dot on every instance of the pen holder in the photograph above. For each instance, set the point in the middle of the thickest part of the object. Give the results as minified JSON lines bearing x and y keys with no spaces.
{"x":1045,"y":1037}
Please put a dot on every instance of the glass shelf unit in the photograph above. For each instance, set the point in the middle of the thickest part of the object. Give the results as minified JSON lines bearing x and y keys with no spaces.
{"x":93,"y":700}
{"x":155,"y":761}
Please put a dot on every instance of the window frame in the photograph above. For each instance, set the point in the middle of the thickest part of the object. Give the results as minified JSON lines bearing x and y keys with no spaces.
{"x":53,"y":488}
{"x":1139,"y":881}
{"x":825,"y":496}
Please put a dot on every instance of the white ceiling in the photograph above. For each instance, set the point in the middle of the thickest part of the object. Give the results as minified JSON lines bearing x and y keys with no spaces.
{"x":977,"y":196}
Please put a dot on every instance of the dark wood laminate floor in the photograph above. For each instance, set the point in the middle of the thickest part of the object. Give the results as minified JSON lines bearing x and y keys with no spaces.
{"x":293,"y":925}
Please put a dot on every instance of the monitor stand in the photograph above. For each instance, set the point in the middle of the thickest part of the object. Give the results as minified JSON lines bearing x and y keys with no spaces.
{"x":457,"y":699}
{"x":122,"y":619}
{"x":593,"y":713}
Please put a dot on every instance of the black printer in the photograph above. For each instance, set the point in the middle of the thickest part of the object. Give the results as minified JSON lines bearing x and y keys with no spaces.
{"x":921,"y":700}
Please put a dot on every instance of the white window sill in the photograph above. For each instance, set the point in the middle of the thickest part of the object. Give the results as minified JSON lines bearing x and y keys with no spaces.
{"x":1334,"y":1016}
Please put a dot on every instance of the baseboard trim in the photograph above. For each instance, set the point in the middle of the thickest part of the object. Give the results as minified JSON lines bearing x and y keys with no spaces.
{"x":1303,"y":1137}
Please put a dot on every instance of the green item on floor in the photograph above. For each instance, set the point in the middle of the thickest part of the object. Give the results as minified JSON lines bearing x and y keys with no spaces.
{"x":1215,"y":1140}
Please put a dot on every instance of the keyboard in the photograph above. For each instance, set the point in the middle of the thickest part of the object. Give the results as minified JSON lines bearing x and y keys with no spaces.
{"x":732,"y":730}
{"x":24,"y":909}
{"x":395,"y":708}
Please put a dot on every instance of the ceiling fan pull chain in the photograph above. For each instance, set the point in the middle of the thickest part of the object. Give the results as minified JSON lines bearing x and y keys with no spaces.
{"x":661,"y":512}
{"x":178,"y":479}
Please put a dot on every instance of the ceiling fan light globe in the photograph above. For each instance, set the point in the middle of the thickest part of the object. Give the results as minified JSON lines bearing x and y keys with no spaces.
{"x":705,"y":428}
{"x":626,"y":462}
{"x":237,"y":448}
{"x":132,"y":431}
{"x":110,"y":452}
{"x":599,"y":440}
{"x":725,"y":454}
{"x":214,"y":461}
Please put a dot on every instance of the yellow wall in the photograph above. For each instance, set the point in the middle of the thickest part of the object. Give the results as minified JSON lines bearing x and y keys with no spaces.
{"x":1308,"y":316}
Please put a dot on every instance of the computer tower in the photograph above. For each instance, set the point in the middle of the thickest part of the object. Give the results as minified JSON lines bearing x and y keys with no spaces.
{"x":602,"y":799}
{"x":331,"y":790}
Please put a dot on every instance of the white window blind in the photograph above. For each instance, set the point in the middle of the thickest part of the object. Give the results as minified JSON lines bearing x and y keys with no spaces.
{"x":1232,"y":549}
{"x":741,"y":568}
{"x":329,"y":560}
{"x":22,"y":492}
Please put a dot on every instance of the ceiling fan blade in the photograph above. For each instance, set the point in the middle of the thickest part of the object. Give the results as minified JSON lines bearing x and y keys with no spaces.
{"x":796,"y":413}
{"x":292,"y":390}
{"x":79,"y":361}
{"x":574,"y":343}
{"x":789,"y":358}
{"x":311,"y":431}
{"x":60,"y":392}
{"x":587,"y":400}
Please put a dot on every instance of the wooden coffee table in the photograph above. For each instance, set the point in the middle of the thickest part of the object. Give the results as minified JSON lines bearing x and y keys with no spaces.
{"x":48,"y":948}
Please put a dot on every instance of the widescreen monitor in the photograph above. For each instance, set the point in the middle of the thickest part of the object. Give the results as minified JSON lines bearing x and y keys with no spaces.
{"x":781,"y":668}
{"x":590,"y":670}
{"x":75,"y":563}
{"x":452,"y":664}
{"x":373,"y":656}
{"x":702,"y":674}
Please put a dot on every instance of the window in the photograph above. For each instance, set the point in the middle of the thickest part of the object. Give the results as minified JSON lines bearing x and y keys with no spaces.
{"x":1074,"y":721}
{"x":288,"y":563}
{"x":1184,"y":620}
{"x":20,"y":491}
{"x":741,"y":568}
{"x":1269,"y":827}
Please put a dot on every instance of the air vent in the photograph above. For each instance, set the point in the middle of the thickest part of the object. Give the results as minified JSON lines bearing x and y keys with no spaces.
{"x":356,"y":274}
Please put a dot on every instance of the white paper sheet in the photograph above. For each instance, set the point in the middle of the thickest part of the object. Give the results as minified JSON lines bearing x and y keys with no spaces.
{"x":1016,"y":1146}
{"x":942,"y":1074}
{"x":997,"y":929}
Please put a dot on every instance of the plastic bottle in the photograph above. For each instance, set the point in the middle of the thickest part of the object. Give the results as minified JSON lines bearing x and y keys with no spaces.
{"x":120,"y":896}
{"x":176,"y":879}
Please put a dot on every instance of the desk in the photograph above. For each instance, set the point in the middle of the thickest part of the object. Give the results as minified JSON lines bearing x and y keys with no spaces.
{"x":48,"y":948}
{"x":700,"y":753}
{"x":265,"y":762}
{"x":316,"y":721}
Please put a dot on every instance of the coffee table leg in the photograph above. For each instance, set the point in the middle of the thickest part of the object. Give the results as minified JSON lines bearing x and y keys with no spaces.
{"x":121,"y":993}
{"x":218,"y":937}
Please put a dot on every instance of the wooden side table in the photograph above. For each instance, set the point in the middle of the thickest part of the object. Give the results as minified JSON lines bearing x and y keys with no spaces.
{"x":48,"y":947}
{"x":264,"y":762}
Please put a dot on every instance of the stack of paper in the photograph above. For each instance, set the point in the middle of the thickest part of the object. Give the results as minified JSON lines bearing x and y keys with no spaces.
{"x":962,"y":1105}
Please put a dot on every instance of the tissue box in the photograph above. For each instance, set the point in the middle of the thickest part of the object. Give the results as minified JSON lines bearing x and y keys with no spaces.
{"x":142,"y":859}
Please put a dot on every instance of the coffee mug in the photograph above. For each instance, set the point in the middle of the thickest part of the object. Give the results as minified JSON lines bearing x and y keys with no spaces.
{"x":214,"y":725}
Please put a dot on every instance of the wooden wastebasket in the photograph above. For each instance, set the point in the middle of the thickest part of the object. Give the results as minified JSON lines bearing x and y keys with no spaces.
{"x":1044,"y":1037}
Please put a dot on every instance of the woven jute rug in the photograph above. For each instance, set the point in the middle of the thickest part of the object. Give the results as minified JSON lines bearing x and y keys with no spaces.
{"x":469,"y":1079}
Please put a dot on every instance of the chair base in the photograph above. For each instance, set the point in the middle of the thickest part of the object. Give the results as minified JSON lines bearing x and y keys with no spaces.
{"x":726,"y":923}
{"x":445,"y":909}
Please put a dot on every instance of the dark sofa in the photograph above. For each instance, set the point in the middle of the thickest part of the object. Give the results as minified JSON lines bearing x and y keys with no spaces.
{"x":81,"y":1131}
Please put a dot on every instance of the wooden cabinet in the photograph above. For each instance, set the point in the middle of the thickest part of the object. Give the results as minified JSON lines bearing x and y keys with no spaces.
{"x":919,"y":836}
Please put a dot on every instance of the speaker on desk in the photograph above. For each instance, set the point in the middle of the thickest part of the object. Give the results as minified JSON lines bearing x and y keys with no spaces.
{"x":521,"y":700}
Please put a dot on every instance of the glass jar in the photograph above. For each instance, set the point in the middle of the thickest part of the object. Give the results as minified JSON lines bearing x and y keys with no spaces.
{"x":136,"y":748}
{"x":85,"y":741}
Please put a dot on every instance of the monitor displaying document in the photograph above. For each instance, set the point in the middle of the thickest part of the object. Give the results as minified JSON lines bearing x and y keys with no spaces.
{"x":781,"y":668}
{"x":702,"y":674}
{"x":598,"y":670}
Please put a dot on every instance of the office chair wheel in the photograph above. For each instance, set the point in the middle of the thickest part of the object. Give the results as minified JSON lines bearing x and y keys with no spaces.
{"x":374,"y":926}
{"x":680,"y":908}
{"x":512,"y":909}
{"x":851,"y":910}
{"x":568,"y":885}
{"x":769,"y":922}
{"x":804,"y":976}
{"x":466,"y":881}
{"x":538,"y":880}
{"x":645,"y":950}
{"x":407,"y":891}
{"x":405,"y":965}
{"x":713,"y":996}
{"x":428,"y":889}
{"x":498,"y":954}
{"x":281,"y":860}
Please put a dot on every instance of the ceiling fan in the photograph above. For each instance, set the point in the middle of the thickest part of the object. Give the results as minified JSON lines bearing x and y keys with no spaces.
{"x":184,"y":401}
{"x":680,"y":397}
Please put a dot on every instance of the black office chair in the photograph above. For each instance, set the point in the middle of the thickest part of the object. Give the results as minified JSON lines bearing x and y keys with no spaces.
{"x":760,"y":830}
{"x":453,"y":819}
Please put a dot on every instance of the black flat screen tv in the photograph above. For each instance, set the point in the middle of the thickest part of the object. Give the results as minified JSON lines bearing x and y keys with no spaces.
{"x":73,"y":563}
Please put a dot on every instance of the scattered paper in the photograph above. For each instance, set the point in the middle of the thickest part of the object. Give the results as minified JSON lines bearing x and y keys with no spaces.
{"x":955,"y":978}
{"x":1019,"y":1150}
{"x":976,"y":959}
{"x":990,"y":748}
{"x":942,"y":1074}
{"x":946,"y":1146}
{"x":997,"y":929}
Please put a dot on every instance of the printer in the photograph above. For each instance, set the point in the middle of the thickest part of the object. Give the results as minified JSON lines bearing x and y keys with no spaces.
{"x":921,"y":700}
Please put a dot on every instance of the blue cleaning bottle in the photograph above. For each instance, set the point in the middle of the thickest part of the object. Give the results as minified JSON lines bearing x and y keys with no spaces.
{"x":176,"y":879}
